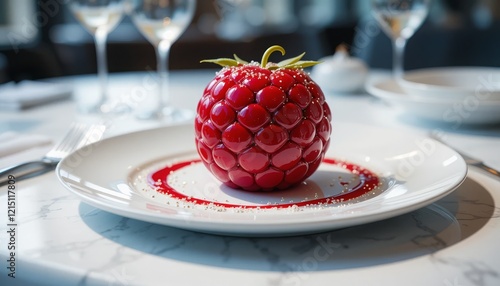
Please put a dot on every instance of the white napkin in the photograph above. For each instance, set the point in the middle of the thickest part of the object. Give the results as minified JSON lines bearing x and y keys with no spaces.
{"x":12,"y":143}
{"x":26,"y":94}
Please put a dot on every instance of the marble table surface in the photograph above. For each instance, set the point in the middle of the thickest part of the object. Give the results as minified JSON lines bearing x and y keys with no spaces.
{"x":63,"y":241}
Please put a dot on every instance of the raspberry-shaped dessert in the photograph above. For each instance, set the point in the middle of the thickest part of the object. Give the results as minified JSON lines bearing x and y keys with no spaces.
{"x":262,"y":126}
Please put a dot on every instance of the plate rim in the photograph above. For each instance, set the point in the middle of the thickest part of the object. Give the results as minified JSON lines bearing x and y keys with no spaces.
{"x":444,"y":70}
{"x":376,"y":89}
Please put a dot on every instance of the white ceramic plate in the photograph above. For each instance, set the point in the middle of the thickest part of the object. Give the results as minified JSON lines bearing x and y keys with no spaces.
{"x":412,"y":172}
{"x":454,"y":83}
{"x":470,"y":110}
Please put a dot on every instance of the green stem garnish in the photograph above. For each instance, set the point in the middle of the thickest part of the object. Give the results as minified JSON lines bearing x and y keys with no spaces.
{"x":293,"y":63}
{"x":268,"y":52}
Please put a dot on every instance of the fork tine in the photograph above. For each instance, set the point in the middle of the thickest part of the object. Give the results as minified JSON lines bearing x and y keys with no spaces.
{"x":78,"y":136}
{"x":68,"y":138}
{"x":71,"y":138}
{"x":92,"y":134}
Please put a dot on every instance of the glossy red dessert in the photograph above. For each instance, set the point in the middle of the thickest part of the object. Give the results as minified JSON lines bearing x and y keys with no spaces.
{"x":262,"y":126}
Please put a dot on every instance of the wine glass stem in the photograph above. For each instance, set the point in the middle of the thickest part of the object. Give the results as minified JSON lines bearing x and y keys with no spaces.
{"x":398,"y":57}
{"x":162,"y":53}
{"x":102,"y":71}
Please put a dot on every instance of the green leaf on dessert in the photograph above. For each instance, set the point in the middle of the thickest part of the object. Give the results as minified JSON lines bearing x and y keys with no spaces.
{"x":225,"y":62}
{"x":301,"y":64}
{"x":291,"y":61}
{"x":239,"y":60}
{"x":272,"y":66}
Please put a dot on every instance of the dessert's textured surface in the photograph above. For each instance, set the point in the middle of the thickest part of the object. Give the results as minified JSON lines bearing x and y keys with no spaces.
{"x":262,"y":126}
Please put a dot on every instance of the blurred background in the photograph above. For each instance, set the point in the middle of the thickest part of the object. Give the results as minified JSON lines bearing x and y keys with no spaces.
{"x":41,"y":38}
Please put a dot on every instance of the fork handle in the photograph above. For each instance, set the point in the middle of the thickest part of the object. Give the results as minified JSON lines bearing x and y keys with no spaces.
{"x":488,"y":169}
{"x":27,"y":170}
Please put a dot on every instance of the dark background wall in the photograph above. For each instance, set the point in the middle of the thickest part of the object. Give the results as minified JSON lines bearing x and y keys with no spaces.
{"x":463,"y":32}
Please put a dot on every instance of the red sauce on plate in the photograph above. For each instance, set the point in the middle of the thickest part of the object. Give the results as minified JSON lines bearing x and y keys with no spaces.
{"x":368,"y":181}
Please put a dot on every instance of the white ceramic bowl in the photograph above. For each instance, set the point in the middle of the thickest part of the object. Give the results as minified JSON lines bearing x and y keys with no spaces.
{"x":340,"y":76}
{"x":453,"y":83}
{"x":469,"y":110}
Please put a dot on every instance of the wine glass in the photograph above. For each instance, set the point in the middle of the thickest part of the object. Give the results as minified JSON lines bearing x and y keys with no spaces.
{"x":99,"y":18}
{"x":400,"y":19}
{"x":162,"y":22}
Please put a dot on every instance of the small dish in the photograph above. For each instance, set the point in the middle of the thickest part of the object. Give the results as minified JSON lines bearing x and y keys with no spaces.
{"x":469,"y":110}
{"x":453,"y":83}
{"x":340,"y":73}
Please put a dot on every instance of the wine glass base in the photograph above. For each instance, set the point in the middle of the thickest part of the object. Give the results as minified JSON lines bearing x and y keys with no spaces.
{"x":167,"y":115}
{"x":106,"y":108}
{"x":111,"y":108}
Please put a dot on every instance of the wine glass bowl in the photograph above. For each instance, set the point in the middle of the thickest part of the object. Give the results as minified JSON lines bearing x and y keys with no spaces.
{"x":162,"y":22}
{"x":399,"y":19}
{"x":94,"y":18}
{"x":99,"y":18}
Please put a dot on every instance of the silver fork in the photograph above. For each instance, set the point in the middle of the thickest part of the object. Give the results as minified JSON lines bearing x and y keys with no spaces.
{"x":468,"y":159}
{"x":78,"y":136}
